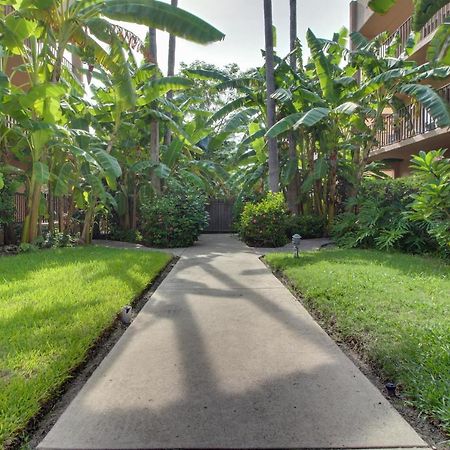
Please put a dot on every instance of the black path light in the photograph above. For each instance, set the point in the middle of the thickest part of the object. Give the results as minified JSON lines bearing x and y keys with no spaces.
{"x":296,"y":239}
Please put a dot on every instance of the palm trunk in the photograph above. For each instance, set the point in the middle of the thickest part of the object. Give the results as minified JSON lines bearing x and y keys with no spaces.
{"x":274,"y":167}
{"x":154,"y":125}
{"x":294,"y":185}
{"x":171,"y":71}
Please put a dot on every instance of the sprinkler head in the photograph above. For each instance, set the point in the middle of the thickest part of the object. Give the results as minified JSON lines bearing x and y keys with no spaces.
{"x":391,"y":388}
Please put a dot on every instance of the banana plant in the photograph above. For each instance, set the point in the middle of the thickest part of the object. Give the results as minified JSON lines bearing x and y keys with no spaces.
{"x":343,"y":108}
{"x":39,"y":33}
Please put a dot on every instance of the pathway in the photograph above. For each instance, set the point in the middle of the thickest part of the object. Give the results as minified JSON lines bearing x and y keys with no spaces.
{"x":223,"y":356}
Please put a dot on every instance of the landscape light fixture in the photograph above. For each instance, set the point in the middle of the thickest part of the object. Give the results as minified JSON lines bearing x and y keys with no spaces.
{"x":296,"y":239}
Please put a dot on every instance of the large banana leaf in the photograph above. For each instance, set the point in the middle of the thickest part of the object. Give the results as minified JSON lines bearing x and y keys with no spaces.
{"x":229,"y":108}
{"x":323,"y":67}
{"x":63,"y":179}
{"x":312,"y":117}
{"x":433,"y":102}
{"x":204,"y":74}
{"x":425,"y":10}
{"x":108,"y":163}
{"x":285,"y":124}
{"x":161,"y":86}
{"x":116,"y":60}
{"x":439,"y":49}
{"x":41,"y":172}
{"x":157,"y":14}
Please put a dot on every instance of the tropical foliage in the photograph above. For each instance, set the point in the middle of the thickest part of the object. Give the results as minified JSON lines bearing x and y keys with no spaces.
{"x":116,"y":144}
{"x":265,"y":224}
{"x":175,"y":219}
{"x":411,"y":215}
{"x":64,"y":143}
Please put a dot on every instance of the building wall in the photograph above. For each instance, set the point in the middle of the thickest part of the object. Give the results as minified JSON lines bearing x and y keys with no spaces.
{"x":397,"y":154}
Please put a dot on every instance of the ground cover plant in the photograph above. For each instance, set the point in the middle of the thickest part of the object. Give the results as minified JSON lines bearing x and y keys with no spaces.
{"x":395,"y":308}
{"x":53,"y":306}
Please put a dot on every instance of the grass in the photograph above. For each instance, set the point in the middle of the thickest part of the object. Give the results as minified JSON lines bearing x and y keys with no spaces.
{"x":53,"y":306}
{"x":394,"y":307}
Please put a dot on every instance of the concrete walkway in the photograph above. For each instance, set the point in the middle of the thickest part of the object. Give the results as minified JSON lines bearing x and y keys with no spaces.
{"x":223,"y":356}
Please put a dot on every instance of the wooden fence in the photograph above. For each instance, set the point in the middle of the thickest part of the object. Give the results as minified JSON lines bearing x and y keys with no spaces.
{"x":220,"y":216}
{"x":20,"y":203}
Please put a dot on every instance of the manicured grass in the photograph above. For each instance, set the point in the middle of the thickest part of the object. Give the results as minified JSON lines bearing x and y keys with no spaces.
{"x":394,"y":307}
{"x":53,"y":306}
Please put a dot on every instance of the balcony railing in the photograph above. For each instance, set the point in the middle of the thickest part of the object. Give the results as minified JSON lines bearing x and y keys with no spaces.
{"x":404,"y":31}
{"x":413,"y":120}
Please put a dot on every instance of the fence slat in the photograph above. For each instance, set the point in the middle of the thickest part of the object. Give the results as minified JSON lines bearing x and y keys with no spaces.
{"x":220,"y":216}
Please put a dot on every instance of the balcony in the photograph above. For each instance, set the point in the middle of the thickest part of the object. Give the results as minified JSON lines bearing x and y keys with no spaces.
{"x":403,"y":33}
{"x":409,"y":122}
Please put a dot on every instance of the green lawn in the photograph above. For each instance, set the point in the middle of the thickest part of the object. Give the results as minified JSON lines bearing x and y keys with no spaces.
{"x":394,"y":307}
{"x":53,"y":306}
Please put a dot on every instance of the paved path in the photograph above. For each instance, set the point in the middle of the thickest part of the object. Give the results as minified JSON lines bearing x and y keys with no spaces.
{"x":223,"y":356}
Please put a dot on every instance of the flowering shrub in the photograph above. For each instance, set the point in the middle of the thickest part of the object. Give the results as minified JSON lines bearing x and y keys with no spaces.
{"x":175,"y":219}
{"x":265,"y":224}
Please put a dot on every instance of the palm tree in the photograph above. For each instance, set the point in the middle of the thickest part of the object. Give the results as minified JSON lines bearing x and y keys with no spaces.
{"x":292,"y":194}
{"x":171,"y":70}
{"x":274,"y":167}
{"x":154,"y":123}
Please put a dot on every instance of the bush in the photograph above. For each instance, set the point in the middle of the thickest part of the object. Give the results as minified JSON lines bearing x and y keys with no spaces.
{"x":132,"y":236}
{"x":175,"y":219}
{"x":380,"y":219}
{"x":307,"y":226}
{"x":265,"y":224}
{"x":7,"y":207}
{"x":431,"y":204}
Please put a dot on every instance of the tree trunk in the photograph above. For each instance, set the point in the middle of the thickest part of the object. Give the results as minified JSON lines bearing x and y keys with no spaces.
{"x":154,"y":125}
{"x":171,"y":72}
{"x":274,"y":167}
{"x":86,"y":235}
{"x":294,"y":184}
{"x":332,"y":188}
{"x":61,"y":223}
{"x":31,"y":222}
{"x":51,"y":211}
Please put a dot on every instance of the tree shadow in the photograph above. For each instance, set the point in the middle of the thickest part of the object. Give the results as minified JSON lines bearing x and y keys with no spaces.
{"x":237,"y":367}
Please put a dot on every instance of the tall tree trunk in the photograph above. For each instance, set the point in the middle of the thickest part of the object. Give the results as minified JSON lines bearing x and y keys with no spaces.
{"x":154,"y":125}
{"x":294,"y":185}
{"x":274,"y":166}
{"x":86,"y":234}
{"x":61,"y":203}
{"x":30,"y":228}
{"x":171,"y":71}
{"x":51,"y":210}
{"x":134,"y":208}
{"x":332,"y":190}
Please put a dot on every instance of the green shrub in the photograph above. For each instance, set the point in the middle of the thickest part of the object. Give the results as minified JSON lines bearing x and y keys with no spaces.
{"x":380,"y":219}
{"x":431,"y":204}
{"x":28,"y":248}
{"x":175,"y":219}
{"x":133,"y":236}
{"x":7,"y":206}
{"x":265,"y":224}
{"x":307,"y":226}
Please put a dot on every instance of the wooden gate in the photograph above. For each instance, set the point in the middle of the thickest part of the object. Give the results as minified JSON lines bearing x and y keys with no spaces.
{"x":220,"y":216}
